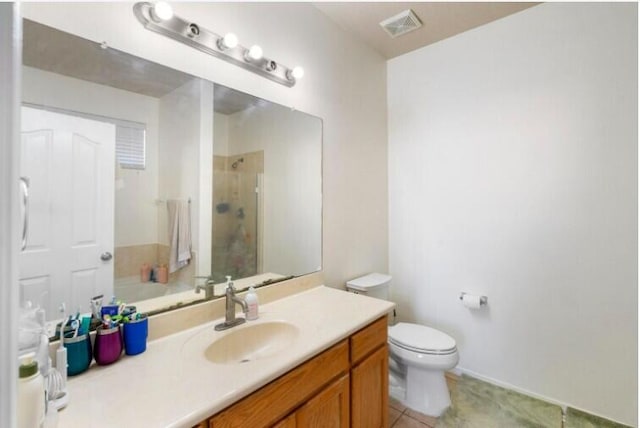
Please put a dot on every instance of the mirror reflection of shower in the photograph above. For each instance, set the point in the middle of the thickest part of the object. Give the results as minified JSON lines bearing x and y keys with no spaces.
{"x":235,"y":164}
{"x":236,"y":215}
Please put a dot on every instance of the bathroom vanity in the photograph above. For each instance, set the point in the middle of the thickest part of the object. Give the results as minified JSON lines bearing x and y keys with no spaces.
{"x":316,"y":358}
{"x":346,"y":385}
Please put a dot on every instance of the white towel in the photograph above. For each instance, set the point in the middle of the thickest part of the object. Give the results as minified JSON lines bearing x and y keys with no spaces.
{"x":179,"y":234}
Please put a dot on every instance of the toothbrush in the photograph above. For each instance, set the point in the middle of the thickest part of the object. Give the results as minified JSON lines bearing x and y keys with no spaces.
{"x":75,"y":325}
{"x":63,"y":325}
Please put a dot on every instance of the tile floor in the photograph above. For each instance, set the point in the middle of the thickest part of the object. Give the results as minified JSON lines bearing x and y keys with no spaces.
{"x":402,"y":417}
{"x":477,"y":404}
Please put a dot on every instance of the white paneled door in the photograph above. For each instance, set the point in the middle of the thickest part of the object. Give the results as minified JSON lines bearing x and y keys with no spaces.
{"x":68,"y":162}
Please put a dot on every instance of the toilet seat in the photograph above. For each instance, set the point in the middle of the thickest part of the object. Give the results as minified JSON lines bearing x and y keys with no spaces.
{"x":421,"y":339}
{"x":422,"y":360}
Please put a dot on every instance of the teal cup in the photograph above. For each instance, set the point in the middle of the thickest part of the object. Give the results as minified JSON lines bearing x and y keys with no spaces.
{"x":78,"y":354}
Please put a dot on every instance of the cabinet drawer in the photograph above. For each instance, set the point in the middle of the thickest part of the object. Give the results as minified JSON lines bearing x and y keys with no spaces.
{"x":368,"y":340}
{"x":276,"y":400}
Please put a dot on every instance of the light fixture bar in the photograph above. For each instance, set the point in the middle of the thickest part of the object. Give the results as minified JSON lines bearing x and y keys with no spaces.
{"x":193,"y":35}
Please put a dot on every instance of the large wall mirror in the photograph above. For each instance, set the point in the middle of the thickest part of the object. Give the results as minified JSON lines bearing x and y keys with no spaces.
{"x":143,"y":180}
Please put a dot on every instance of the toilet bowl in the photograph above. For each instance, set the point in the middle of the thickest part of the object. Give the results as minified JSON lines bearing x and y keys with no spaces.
{"x":418,"y":355}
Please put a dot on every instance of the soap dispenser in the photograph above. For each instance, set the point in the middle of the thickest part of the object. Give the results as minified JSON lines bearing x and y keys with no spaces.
{"x":252,"y":303}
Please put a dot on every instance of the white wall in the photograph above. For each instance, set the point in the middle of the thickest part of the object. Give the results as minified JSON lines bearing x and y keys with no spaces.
{"x":186,"y":154}
{"x":220,"y":135}
{"x":10,"y":221}
{"x":292,"y":191}
{"x":136,"y":191}
{"x":344,"y":84}
{"x":513,"y":173}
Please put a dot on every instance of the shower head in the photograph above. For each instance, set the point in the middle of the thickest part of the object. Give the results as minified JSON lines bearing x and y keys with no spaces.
{"x":235,"y":164}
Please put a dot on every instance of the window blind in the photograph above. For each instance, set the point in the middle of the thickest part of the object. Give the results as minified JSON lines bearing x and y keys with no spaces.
{"x":130,"y":145}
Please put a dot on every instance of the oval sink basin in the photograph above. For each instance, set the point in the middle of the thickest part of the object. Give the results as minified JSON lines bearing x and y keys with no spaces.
{"x":252,"y":342}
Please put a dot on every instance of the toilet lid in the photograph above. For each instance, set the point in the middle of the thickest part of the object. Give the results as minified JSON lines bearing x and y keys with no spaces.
{"x":421,"y":338}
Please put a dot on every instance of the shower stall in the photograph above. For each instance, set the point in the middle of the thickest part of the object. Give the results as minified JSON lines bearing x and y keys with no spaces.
{"x":237,"y":216}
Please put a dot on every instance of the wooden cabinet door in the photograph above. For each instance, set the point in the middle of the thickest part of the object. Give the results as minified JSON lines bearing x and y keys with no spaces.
{"x":370,"y":391}
{"x":289,"y":422}
{"x":328,"y":409}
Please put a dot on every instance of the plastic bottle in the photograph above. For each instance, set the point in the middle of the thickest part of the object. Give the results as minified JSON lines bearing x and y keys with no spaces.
{"x":162,"y":274}
{"x":145,"y":272}
{"x":31,"y":396}
{"x":252,"y":302}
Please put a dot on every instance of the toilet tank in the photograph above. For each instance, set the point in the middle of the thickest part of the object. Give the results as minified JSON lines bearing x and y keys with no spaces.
{"x":372,"y":285}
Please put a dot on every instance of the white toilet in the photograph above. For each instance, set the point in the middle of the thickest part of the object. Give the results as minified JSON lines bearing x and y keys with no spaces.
{"x":418,"y":355}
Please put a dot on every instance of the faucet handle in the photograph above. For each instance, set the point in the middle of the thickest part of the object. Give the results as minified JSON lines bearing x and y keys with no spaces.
{"x":209,"y":279}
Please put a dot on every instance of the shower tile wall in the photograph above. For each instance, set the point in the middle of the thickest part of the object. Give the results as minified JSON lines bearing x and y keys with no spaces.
{"x":128,"y":261}
{"x":187,"y":274}
{"x":234,"y":184}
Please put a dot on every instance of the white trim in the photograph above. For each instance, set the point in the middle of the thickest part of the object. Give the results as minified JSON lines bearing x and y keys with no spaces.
{"x":10,"y":63}
{"x":98,"y":117}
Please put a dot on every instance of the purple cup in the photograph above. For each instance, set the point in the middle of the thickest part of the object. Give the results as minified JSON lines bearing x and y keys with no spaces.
{"x":108,"y":345}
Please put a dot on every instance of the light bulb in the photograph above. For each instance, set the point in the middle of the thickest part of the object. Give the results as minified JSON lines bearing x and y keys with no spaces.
{"x":296,"y":73}
{"x":254,"y":53}
{"x":229,"y":41}
{"x":162,"y":10}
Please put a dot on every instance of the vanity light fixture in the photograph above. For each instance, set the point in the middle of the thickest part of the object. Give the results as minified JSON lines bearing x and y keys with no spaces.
{"x":253,"y":54}
{"x":161,"y":11}
{"x":229,"y":41}
{"x":296,"y":73}
{"x":159,"y":17}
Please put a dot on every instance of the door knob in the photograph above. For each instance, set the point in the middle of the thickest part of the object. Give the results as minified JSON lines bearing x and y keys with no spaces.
{"x":105,"y":257}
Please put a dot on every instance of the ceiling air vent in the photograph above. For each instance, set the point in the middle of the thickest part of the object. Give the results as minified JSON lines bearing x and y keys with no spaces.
{"x":401,"y":23}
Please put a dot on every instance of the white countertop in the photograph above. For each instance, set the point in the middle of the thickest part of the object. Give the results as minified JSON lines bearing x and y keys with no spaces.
{"x":172,"y":384}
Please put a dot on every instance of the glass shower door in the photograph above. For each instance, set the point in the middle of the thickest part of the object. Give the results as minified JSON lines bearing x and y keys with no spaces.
{"x":236,"y":216}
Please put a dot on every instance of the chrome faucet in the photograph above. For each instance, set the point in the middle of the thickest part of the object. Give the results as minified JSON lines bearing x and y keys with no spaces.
{"x":207,"y":286}
{"x":230,"y":319}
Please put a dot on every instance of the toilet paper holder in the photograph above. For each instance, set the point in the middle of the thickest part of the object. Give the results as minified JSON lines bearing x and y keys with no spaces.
{"x":483,"y":299}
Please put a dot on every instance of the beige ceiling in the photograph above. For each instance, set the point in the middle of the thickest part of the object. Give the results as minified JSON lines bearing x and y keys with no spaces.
{"x":439,"y":21}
